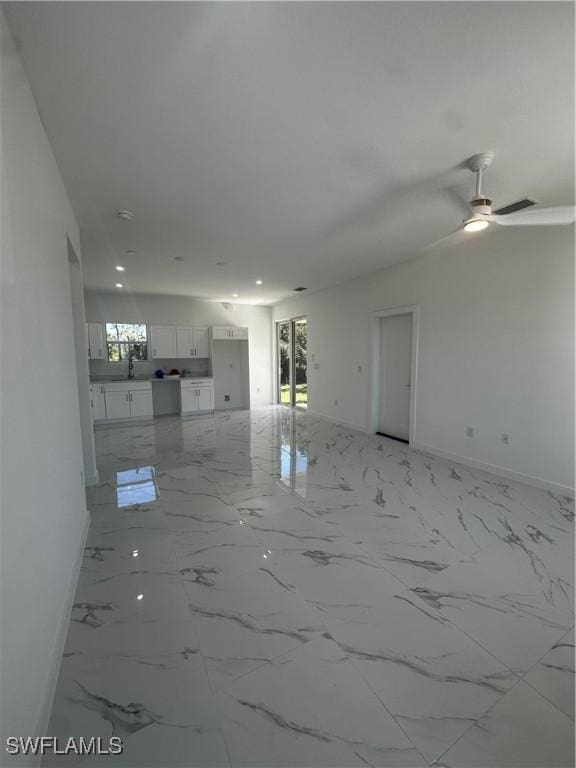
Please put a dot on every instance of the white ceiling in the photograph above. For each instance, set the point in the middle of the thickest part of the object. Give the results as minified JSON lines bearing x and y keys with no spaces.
{"x":303,"y":144}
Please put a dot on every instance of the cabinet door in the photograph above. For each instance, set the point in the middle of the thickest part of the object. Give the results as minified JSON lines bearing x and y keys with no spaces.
{"x":118,"y":405}
{"x":188,"y":400}
{"x":141,"y":403}
{"x":99,"y":403}
{"x":205,"y":398}
{"x":201,"y":344}
{"x":95,"y":341}
{"x":185,"y":342}
{"x":163,"y":338}
{"x":221,"y":332}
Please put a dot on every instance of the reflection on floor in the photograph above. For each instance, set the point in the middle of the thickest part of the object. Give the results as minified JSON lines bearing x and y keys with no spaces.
{"x":268,"y":589}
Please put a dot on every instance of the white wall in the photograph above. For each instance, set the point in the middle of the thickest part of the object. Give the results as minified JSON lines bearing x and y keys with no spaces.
{"x":103,"y":306}
{"x":43,"y":506}
{"x":82,"y":372}
{"x":496,"y":348}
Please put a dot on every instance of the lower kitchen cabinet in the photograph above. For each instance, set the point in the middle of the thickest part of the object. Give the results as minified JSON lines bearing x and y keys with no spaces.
{"x":128,"y":400}
{"x":196,"y":396}
{"x":97,"y":402}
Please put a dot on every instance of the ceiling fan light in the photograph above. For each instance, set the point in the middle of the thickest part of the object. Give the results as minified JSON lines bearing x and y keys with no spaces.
{"x":476,"y":225}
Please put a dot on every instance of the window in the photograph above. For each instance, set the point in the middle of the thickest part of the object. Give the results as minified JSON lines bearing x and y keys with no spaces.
{"x":125,"y":340}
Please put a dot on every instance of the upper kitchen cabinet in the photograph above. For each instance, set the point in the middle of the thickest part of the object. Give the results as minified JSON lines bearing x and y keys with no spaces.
{"x":220,"y":332}
{"x":192,"y":342}
{"x":163,"y":342}
{"x":201,"y":342}
{"x":95,"y":341}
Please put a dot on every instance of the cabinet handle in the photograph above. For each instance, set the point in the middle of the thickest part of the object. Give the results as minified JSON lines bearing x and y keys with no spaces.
{"x":128,"y":397}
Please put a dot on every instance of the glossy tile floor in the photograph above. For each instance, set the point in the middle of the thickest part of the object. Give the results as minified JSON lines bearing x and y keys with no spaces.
{"x":269,"y":589}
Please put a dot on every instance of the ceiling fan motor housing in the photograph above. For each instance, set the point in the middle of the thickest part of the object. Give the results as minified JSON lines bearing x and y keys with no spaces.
{"x":481,"y":206}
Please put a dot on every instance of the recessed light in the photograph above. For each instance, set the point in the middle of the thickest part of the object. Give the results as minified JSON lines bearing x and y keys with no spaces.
{"x":235,"y":295}
{"x":125,"y":215}
{"x":119,"y":268}
{"x":119,"y":285}
{"x":131,"y":253}
{"x":258,"y":282}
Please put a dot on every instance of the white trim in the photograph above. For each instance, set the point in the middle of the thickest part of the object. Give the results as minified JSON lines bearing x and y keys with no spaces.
{"x":497,"y":469}
{"x":374,"y":398}
{"x":333,"y":419}
{"x":61,"y":635}
{"x":93,"y":479}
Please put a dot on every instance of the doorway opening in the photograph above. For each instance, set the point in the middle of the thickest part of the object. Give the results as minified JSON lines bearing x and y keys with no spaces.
{"x":292,"y":347}
{"x":395,"y":353}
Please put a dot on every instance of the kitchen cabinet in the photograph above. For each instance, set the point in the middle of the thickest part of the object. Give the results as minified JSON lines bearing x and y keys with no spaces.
{"x":192,"y":342}
{"x":220,"y":332}
{"x":141,"y":403}
{"x":196,"y":396}
{"x":95,"y":341}
{"x":201,"y":342}
{"x":128,"y":400}
{"x":183,"y":341}
{"x":163,"y":342}
{"x":97,"y":402}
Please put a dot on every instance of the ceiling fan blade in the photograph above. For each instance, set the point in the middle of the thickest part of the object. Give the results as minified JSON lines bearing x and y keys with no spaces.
{"x":564,"y":214}
{"x":454,"y":238}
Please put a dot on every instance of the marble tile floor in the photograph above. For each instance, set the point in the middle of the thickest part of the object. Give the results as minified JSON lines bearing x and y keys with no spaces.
{"x":268,"y":589}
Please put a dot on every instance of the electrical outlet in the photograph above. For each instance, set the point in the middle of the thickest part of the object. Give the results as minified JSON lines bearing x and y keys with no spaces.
{"x":469,"y":431}
{"x":227,"y":398}
{"x":505,"y":438}
{"x":316,"y":366}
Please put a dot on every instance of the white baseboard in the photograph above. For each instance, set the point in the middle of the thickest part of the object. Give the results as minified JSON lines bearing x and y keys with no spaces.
{"x":333,"y":420}
{"x":60,"y":640}
{"x":496,"y":469}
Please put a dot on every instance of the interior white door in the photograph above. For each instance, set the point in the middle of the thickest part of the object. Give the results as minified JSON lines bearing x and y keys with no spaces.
{"x":395,"y":365}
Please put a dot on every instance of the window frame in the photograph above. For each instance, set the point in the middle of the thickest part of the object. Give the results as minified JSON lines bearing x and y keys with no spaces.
{"x":124,"y":345}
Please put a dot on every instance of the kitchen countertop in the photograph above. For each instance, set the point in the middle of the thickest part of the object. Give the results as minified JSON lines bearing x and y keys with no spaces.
{"x":117,"y":379}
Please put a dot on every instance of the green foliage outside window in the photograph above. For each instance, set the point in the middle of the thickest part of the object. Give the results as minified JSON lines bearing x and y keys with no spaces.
{"x":125,"y":340}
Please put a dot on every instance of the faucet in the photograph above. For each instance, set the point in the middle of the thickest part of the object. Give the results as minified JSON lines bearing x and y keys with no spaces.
{"x":130,"y":367}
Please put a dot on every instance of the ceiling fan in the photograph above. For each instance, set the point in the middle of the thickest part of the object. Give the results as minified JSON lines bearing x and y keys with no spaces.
{"x":480,"y":215}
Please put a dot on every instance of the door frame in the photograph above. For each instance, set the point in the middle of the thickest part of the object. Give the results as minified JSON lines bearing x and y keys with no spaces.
{"x":291,"y":346}
{"x":290,"y":360}
{"x":374,"y":400}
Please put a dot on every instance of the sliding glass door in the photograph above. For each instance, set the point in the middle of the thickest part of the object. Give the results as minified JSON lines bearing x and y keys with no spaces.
{"x":292,"y":345}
